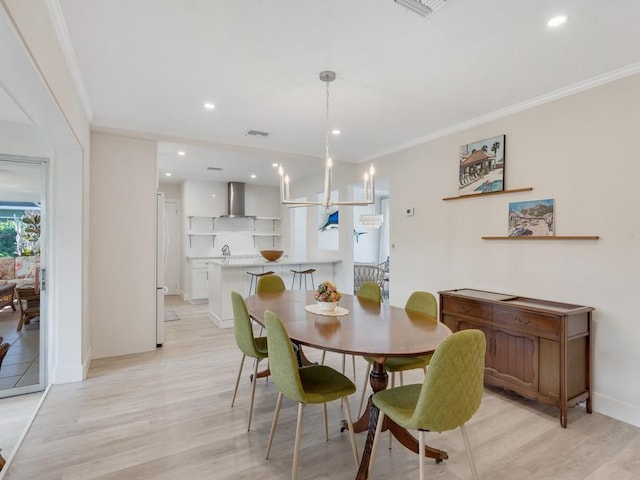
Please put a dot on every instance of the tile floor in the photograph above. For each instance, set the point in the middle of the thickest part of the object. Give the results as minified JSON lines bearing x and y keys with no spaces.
{"x":21,"y":366}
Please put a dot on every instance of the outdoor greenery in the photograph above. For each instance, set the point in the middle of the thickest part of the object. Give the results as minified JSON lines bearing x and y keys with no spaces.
{"x":7,"y":238}
{"x":28,"y":233}
{"x":20,"y":235}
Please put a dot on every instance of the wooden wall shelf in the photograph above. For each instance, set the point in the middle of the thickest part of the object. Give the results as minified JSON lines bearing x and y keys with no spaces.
{"x":530,"y":237}
{"x":470,"y":195}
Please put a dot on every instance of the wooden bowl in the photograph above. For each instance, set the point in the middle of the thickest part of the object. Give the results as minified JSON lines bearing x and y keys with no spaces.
{"x":271,"y":255}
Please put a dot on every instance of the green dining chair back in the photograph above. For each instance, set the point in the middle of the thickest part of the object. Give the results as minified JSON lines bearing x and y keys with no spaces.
{"x":447,"y":398}
{"x":370,"y":291}
{"x":270,"y":283}
{"x":250,"y":346}
{"x":423,"y":303}
{"x":305,"y":385}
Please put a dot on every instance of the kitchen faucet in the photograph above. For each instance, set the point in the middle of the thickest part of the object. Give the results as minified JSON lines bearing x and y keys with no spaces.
{"x":226,"y":251}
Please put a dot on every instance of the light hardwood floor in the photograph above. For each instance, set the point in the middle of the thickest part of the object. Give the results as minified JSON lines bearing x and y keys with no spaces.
{"x":167,"y":415}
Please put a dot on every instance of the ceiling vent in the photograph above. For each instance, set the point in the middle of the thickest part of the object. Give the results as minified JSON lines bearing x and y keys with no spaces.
{"x":256,"y":133}
{"x":216,"y":169}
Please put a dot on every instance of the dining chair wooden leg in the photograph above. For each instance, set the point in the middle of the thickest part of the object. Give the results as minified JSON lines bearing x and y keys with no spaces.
{"x":352,"y":435}
{"x":324,"y":354}
{"x":364,"y":388}
{"x":326,"y":423}
{"x":296,"y":445}
{"x":235,"y":391}
{"x":467,"y":446}
{"x":274,"y":423}
{"x":254,"y":380}
{"x":421,"y":454}
{"x":376,"y":440}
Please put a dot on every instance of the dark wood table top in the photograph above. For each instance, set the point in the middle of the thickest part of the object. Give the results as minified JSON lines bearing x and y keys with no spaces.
{"x":372,"y":329}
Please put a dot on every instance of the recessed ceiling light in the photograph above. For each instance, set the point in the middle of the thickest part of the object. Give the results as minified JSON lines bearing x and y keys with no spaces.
{"x":335,"y":131}
{"x":253,"y":175}
{"x":209,"y":106}
{"x":274,"y":165}
{"x":557,"y":21}
{"x":167,"y":174}
{"x":181,"y":153}
{"x":213,"y":194}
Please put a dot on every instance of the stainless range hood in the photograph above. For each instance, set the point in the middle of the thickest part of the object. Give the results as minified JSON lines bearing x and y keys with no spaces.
{"x":235,"y":200}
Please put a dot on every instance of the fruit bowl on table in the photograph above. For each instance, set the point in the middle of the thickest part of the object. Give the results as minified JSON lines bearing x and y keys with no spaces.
{"x":271,"y":255}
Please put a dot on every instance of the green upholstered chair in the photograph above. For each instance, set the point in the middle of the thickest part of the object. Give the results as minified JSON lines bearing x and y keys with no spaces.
{"x":449,"y":396}
{"x":308,"y":384}
{"x":423,"y":303}
{"x":270,"y":283}
{"x":250,"y":346}
{"x":370,"y":291}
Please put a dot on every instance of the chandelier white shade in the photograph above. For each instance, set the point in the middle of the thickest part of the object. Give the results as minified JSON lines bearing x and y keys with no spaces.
{"x":327,"y":202}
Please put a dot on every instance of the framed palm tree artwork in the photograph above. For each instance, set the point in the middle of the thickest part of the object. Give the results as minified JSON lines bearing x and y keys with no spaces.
{"x":482,"y":166}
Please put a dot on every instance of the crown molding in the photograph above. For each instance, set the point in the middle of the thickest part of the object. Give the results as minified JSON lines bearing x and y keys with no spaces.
{"x":596,"y":81}
{"x":62,"y":32}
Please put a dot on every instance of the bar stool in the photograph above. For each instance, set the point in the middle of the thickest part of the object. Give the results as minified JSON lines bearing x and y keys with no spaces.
{"x":303,"y":273}
{"x":256,"y":276}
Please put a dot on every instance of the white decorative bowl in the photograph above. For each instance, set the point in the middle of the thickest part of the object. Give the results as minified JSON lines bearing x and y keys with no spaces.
{"x":327,"y":306}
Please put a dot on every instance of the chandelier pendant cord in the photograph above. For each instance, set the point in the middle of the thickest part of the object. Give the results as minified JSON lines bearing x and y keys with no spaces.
{"x":369,"y":182}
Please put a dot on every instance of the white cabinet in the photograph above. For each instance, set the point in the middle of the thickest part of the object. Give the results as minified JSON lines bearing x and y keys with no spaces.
{"x":199,"y":281}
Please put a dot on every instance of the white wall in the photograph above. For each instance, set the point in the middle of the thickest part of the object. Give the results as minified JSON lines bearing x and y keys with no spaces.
{"x":123,"y":232}
{"x":581,"y":151}
{"x":23,"y":139}
{"x":35,"y":74}
{"x":172,"y":191}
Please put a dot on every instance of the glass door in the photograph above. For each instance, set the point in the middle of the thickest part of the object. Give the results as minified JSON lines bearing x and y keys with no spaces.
{"x":22,"y":273}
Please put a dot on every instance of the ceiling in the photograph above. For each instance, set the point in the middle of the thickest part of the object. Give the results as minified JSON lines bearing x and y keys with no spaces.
{"x":19,"y":181}
{"x":150,"y":65}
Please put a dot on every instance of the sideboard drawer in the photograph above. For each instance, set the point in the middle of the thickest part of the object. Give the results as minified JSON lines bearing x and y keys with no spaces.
{"x":468,"y":308}
{"x":541,"y":324}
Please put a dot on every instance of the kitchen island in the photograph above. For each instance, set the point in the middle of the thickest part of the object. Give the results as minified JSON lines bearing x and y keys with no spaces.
{"x":229,"y":274}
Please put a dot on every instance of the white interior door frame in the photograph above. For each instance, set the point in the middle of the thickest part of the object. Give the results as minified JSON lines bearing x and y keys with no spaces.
{"x":172,"y":265}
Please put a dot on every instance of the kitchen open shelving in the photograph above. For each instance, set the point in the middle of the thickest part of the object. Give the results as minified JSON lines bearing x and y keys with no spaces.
{"x":212,"y":233}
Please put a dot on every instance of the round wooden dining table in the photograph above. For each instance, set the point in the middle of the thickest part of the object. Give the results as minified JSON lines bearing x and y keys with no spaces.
{"x":368,"y":329}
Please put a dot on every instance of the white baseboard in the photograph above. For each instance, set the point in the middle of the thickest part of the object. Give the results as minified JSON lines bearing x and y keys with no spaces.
{"x":75,"y":373}
{"x":625,"y":412}
{"x":220,"y":323}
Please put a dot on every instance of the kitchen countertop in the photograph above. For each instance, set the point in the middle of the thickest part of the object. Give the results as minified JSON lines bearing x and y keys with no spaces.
{"x":245,"y":261}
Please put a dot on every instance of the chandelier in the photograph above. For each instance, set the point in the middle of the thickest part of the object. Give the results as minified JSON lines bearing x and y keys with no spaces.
{"x":327,"y":202}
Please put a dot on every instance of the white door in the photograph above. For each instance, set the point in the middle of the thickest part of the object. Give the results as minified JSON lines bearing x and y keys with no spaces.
{"x":23,"y":182}
{"x":172,"y":265}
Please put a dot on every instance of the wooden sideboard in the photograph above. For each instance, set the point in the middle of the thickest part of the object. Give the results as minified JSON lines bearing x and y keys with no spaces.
{"x":536,"y":348}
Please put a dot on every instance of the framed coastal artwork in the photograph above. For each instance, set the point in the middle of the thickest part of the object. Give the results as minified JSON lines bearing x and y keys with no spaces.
{"x":482,"y":166}
{"x":533,"y":217}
